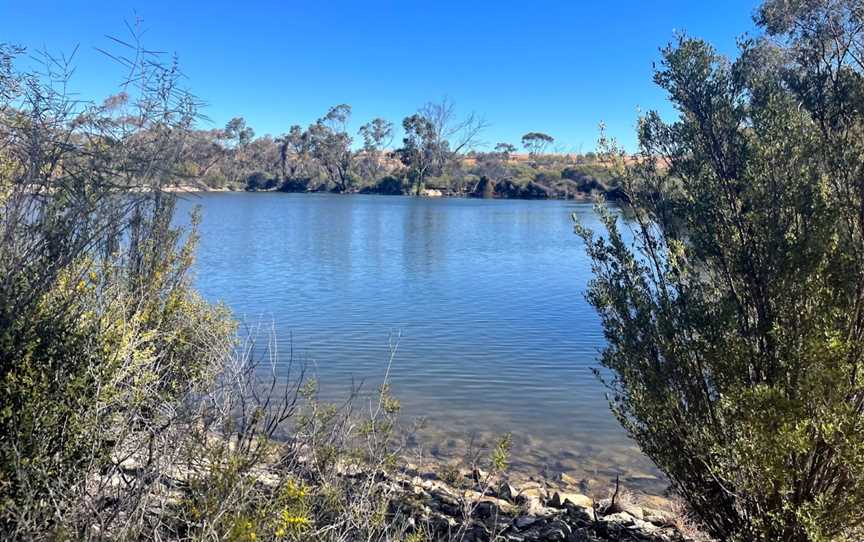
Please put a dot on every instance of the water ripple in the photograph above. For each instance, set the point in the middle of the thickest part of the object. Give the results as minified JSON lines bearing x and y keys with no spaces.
{"x":488,"y":297}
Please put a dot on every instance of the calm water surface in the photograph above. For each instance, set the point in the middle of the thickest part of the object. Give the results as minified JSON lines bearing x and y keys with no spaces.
{"x":486,"y":297}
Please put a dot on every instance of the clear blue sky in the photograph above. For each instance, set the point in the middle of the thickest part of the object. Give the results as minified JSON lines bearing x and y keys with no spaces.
{"x":557,"y":67}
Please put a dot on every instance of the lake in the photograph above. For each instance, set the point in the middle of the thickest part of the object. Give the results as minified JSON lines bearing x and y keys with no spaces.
{"x":485,"y":297}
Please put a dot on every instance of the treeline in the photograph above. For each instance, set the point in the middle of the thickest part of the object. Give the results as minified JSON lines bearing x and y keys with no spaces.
{"x":436,"y":156}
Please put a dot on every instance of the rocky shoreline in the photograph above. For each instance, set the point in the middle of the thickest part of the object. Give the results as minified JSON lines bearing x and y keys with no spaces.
{"x":437,"y":502}
{"x":474,"y":508}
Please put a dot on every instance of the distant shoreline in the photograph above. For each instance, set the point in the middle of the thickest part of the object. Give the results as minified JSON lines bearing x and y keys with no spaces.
{"x":426,"y":194}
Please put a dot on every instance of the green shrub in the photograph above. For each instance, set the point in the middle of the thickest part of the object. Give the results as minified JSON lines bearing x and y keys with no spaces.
{"x":102,"y":338}
{"x":547,"y":177}
{"x":392,"y":186}
{"x":259,"y":180}
{"x":735,"y":336}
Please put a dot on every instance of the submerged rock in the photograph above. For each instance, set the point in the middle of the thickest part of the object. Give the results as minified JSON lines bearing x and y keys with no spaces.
{"x":565,"y":478}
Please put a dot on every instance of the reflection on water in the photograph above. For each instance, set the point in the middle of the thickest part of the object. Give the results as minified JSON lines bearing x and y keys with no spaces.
{"x":487,"y":297}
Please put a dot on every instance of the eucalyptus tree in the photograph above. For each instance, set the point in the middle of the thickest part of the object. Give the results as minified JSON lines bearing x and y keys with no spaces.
{"x":536,"y":144}
{"x":735,"y":319}
{"x":377,"y":135}
{"x":505,"y":150}
{"x":435,"y":139}
{"x":262,"y":156}
{"x":419,"y":151}
{"x":236,"y":137}
{"x":284,"y":144}
{"x":330,"y":145}
{"x":238,"y":133}
{"x":295,"y":153}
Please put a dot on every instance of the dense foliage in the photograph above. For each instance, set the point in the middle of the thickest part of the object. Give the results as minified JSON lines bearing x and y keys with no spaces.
{"x":98,"y":326}
{"x":735,"y":318}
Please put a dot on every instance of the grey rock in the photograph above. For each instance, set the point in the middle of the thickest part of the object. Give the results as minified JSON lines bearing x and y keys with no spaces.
{"x":622,"y":518}
{"x":486,"y":509}
{"x":507,"y":492}
{"x":523,"y":522}
{"x":555,"y":532}
{"x":560,"y":497}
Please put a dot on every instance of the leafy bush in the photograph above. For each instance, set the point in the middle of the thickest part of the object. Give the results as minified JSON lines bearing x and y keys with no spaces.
{"x":101,"y":336}
{"x":295,"y":185}
{"x":259,"y":180}
{"x":586,"y":181}
{"x":215,"y":180}
{"x":547,"y":177}
{"x":734,"y":322}
{"x":392,"y":186}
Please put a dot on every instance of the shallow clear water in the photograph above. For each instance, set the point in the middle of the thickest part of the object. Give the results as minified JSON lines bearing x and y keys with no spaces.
{"x":487,"y":298}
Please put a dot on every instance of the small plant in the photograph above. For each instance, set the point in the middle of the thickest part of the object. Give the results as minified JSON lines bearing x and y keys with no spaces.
{"x":501,"y":454}
{"x":417,"y":536}
{"x":451,"y":474}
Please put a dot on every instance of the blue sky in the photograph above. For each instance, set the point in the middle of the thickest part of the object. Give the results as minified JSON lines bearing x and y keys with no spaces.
{"x":557,"y":67}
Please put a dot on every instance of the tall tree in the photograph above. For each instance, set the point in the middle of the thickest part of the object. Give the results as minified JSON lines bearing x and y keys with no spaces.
{"x":236,"y":137}
{"x":238,"y":133}
{"x":331,"y":146}
{"x":295,"y":153}
{"x":505,"y":150}
{"x":435,"y":138}
{"x":377,"y":136}
{"x":536,"y":144}
{"x":284,"y":144}
{"x":419,"y":151}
